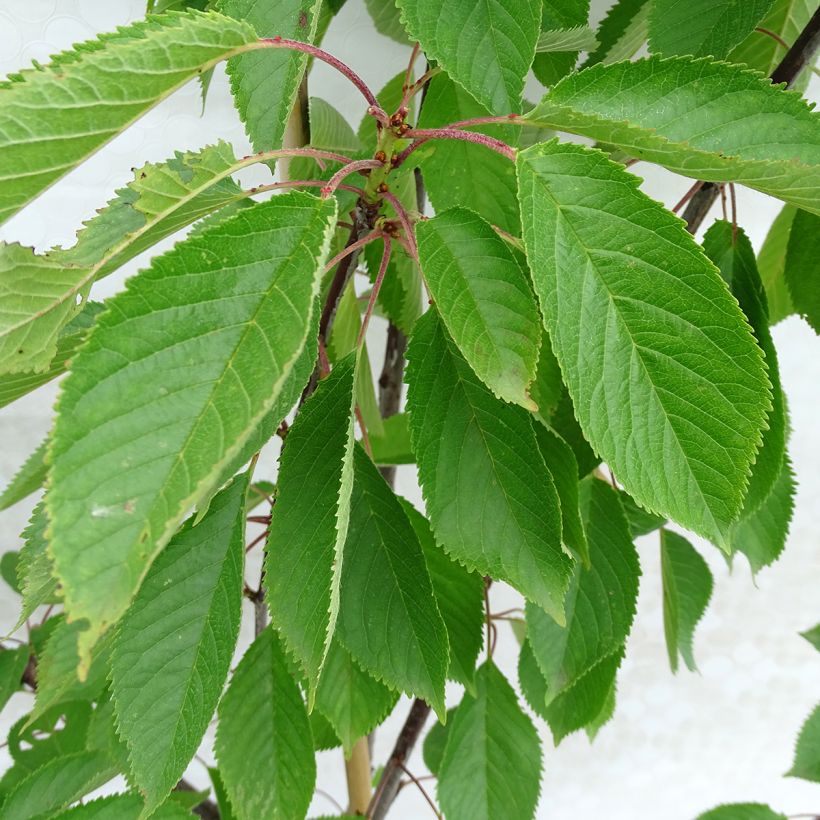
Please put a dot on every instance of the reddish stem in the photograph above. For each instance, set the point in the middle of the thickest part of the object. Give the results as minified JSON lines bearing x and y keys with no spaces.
{"x":352,"y":248}
{"x":404,"y":218}
{"x":350,"y":168}
{"x":688,"y":195}
{"x":506,"y":119}
{"x":492,"y":143}
{"x":302,"y":183}
{"x":363,"y":428}
{"x":374,"y":291}
{"x":408,"y":84}
{"x":321,"y":54}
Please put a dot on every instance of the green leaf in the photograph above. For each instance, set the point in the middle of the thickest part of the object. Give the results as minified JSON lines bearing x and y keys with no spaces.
{"x":353,"y":701}
{"x":56,"y":784}
{"x":35,"y":570}
{"x":687,"y":588}
{"x":563,"y":467}
{"x":813,"y":636}
{"x":492,"y":762}
{"x":487,"y":47}
{"x":460,"y":597}
{"x":641,"y":323}
{"x":43,"y":293}
{"x":559,"y":14}
{"x":482,"y":292}
{"x":548,"y":387}
{"x":13,"y":663}
{"x":309,"y":523}
{"x":436,"y":741}
{"x":461,"y":173}
{"x":802,"y":269}
{"x":640,"y":521}
{"x":173,"y":647}
{"x":622,"y":32}
{"x":387,"y":597}
{"x":393,"y":447}
{"x":477,"y":453}
{"x":222,"y":801}
{"x":8,"y":570}
{"x":731,"y":251}
{"x":601,"y":601}
{"x":123,"y":807}
{"x":265,"y":84}
{"x":13,"y":386}
{"x":807,"y":752}
{"x":703,"y":28}
{"x":54,"y":117}
{"x":271,"y":771}
{"x":128,"y":457}
{"x":28,"y":479}
{"x":761,"y":535}
{"x":57,"y":679}
{"x":563,"y":420}
{"x":786,"y":19}
{"x":771,"y":262}
{"x":579,"y":38}
{"x":742,"y":811}
{"x":704,"y":120}
{"x":386,"y":19}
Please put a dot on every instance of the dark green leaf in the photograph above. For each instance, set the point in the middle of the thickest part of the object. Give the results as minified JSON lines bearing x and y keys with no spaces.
{"x":393,"y":447}
{"x":802,"y":268}
{"x":28,"y":479}
{"x":12,"y":665}
{"x":771,"y":262}
{"x":742,"y":811}
{"x":559,"y":14}
{"x":622,"y":32}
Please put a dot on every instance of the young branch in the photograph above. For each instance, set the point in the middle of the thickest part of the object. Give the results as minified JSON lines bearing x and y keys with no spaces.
{"x":374,"y":291}
{"x":797,"y":58}
{"x":351,"y":168}
{"x":424,"y":134}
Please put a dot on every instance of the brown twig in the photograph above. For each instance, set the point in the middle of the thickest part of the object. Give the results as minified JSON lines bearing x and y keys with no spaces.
{"x":421,"y":788}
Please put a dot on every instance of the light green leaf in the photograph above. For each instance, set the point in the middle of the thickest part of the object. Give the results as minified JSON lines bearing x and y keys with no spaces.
{"x":268,"y":772}
{"x":622,"y":32}
{"x":559,"y":14}
{"x":123,"y":807}
{"x":386,"y":19}
{"x":476,"y":454}
{"x":813,"y":636}
{"x":28,"y":479}
{"x":12,"y":665}
{"x":42,"y":293}
{"x":601,"y":601}
{"x":461,"y":173}
{"x":579,"y":38}
{"x":641,"y":324}
{"x":492,"y":762}
{"x":460,"y":597}
{"x":353,"y":701}
{"x":807,"y":752}
{"x":13,"y":386}
{"x":731,"y":251}
{"x":704,"y":120}
{"x":54,"y":117}
{"x":56,"y":784}
{"x":487,"y":47}
{"x":786,"y":19}
{"x":57,"y":679}
{"x":222,"y":801}
{"x":393,"y":447}
{"x":35,"y":570}
{"x":436,"y":741}
{"x":703,"y":28}
{"x":128,"y":458}
{"x":802,"y":268}
{"x":309,"y":523}
{"x":687,"y":588}
{"x":174,"y":646}
{"x":265,"y":85}
{"x":483,"y":294}
{"x":771,"y":262}
{"x":388,"y":617}
{"x":761,"y":536}
{"x":742,"y":811}
{"x":563,"y":467}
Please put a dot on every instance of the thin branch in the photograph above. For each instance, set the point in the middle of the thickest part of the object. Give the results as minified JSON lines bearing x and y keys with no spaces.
{"x":374,"y":291}
{"x":351,"y":168}
{"x":321,"y":54}
{"x":421,"y":788}
{"x":404,"y":218}
{"x":207,"y":809}
{"x":688,"y":195}
{"x":391,"y":774}
{"x":499,"y":146}
{"x":352,"y":247}
{"x":776,"y":37}
{"x":506,"y":119}
{"x":363,"y":427}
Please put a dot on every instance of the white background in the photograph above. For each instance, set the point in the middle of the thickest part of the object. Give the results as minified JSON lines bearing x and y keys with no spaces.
{"x":678,"y":744}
